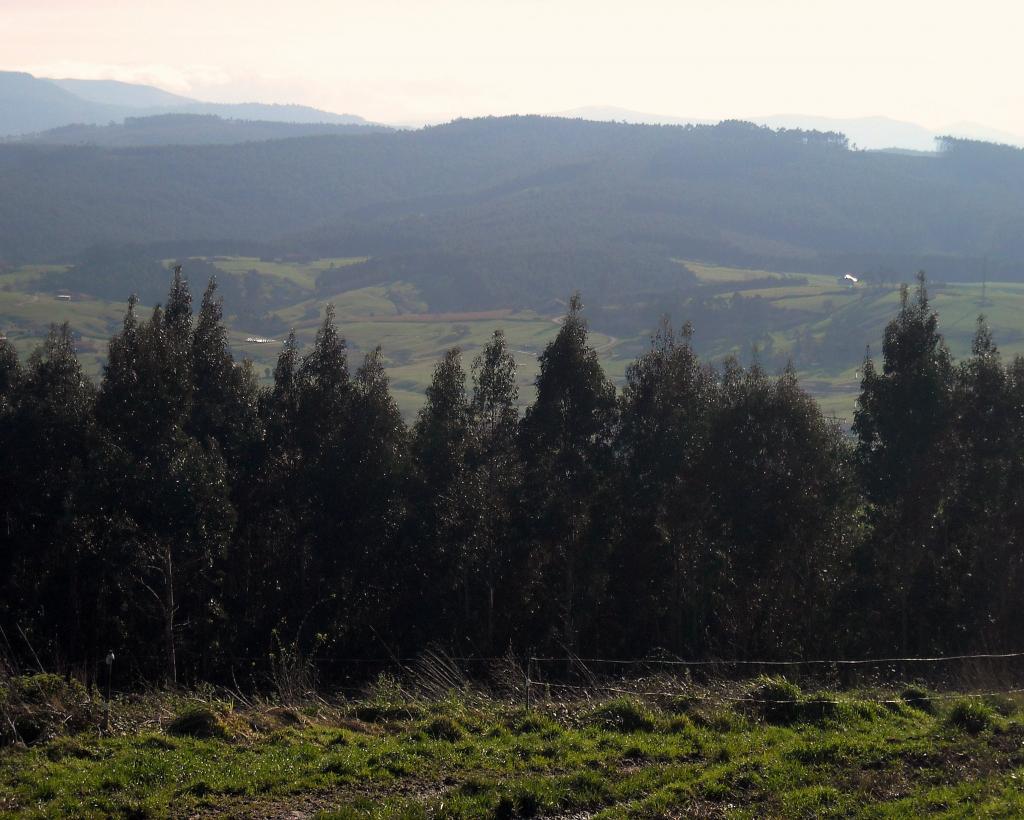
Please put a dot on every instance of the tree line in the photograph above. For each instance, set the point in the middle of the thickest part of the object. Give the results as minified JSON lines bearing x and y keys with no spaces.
{"x":200,"y":524}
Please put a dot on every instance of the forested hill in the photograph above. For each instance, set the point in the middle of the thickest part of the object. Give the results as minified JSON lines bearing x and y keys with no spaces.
{"x":190,"y":129}
{"x":497,"y":200}
{"x":31,"y":104}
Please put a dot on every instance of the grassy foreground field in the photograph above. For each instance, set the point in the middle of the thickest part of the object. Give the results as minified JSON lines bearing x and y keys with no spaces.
{"x":760,"y":749}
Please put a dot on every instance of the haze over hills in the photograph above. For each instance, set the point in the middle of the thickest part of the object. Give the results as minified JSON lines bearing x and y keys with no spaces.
{"x":872,"y":133}
{"x":505,"y":216}
{"x":531,"y":193}
{"x":113,"y":92}
{"x":30,"y":104}
{"x":190,"y":129}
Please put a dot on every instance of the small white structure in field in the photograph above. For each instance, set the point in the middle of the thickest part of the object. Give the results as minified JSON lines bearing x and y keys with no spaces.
{"x":853,"y":280}
{"x":259,"y":340}
{"x":63,"y":297}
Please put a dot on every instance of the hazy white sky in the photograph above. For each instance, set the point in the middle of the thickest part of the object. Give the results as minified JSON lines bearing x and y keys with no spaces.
{"x":935,"y":63}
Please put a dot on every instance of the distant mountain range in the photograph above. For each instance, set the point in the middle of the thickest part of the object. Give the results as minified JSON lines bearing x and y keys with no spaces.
{"x":501,"y":212}
{"x":873,"y":133}
{"x":29,"y":105}
{"x":112,"y":92}
{"x":190,"y":129}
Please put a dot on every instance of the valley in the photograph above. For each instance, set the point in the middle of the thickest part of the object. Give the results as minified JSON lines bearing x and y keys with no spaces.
{"x":819,"y":323}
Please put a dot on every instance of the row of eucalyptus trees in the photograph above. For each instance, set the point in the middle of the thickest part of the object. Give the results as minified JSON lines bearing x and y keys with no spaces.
{"x":201,"y":524}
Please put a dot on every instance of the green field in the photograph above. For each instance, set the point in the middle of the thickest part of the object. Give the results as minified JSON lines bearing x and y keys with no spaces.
{"x":393,"y":316}
{"x":299,"y":273}
{"x":836,"y":323}
{"x":763,"y":748}
{"x":822,"y":325}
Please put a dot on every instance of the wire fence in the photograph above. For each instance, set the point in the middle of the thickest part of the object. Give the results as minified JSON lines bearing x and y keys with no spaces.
{"x":596,"y":685}
{"x":982,"y":674}
{"x":778,"y":663}
{"x":719,"y":697}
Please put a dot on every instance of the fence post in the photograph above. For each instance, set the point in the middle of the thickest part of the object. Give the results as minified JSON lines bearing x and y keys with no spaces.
{"x":110,"y":674}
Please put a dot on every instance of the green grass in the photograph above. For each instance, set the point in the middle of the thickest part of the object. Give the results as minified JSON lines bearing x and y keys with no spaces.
{"x":368,"y":317}
{"x":475,"y":757}
{"x":849,"y":319}
{"x":719,"y":273}
{"x":302,"y":274}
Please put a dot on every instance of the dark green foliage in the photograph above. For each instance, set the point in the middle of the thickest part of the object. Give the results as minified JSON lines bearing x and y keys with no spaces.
{"x":494,"y":566}
{"x":726,"y":478}
{"x":10,"y":371}
{"x":169,"y":491}
{"x":566,"y":441}
{"x":36,"y":708}
{"x":970,"y":715}
{"x":624,"y":715}
{"x":919,"y":698}
{"x":938,"y":450}
{"x":53,"y":580}
{"x":114,"y":272}
{"x":520,"y":210}
{"x":527,"y":723}
{"x":465,"y":470}
{"x":666,"y":412}
{"x":776,"y":700}
{"x":783,"y":496}
{"x":225,"y":396}
{"x":443,"y":728}
{"x":440,"y":492}
{"x":197,"y":721}
{"x":205,"y":528}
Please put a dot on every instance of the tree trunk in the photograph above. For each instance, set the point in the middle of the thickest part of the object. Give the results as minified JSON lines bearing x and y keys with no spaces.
{"x":490,"y":617}
{"x":172,"y":661}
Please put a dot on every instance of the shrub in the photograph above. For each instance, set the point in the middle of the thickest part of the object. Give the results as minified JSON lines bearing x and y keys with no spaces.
{"x":717,"y":719}
{"x":821,"y":706}
{"x":525,"y":803}
{"x":1003,"y":705}
{"x":624,"y":715}
{"x":970,"y":715}
{"x":197,"y":721}
{"x":776,"y":699}
{"x":443,"y":728}
{"x":813,"y":801}
{"x":63,"y":748}
{"x":591,"y":788}
{"x":285,"y":716}
{"x":678,"y":725}
{"x":918,"y":698}
{"x":528,"y":723}
{"x":44,"y":688}
{"x":387,"y":702}
{"x":36,"y":708}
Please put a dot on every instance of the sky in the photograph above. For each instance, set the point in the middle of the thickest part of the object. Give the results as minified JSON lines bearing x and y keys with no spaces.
{"x":935,"y":63}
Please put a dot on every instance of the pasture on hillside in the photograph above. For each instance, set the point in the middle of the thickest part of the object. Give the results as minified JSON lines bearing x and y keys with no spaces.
{"x":822,"y":325}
